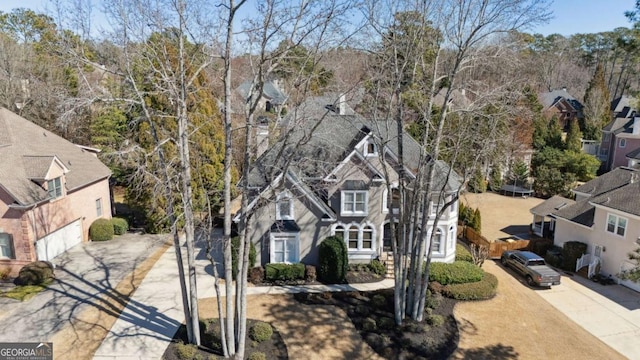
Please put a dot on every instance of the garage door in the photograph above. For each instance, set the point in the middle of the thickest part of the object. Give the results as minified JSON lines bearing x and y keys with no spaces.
{"x":59,"y":241}
{"x":628,"y":283}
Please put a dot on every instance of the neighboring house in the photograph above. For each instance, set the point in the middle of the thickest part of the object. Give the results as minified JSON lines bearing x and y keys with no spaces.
{"x":330,"y":181}
{"x":621,"y":137}
{"x":50,"y":192}
{"x":562,"y":105}
{"x":605,"y":216}
{"x":273,"y":98}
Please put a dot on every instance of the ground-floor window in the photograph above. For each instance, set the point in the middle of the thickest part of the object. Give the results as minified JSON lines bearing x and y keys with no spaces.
{"x":358,"y":237}
{"x":285,"y":248}
{"x":6,"y":246}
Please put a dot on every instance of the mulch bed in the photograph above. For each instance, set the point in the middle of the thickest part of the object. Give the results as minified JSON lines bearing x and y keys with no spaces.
{"x":352,"y":277}
{"x":274,"y":348}
{"x":411,"y":340}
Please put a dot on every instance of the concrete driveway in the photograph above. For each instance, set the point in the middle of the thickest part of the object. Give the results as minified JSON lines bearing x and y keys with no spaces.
{"x":83,"y":274}
{"x":609,"y":312}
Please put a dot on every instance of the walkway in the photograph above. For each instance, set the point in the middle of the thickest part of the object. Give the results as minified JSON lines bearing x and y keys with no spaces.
{"x":154,"y":313}
{"x":611,"y":313}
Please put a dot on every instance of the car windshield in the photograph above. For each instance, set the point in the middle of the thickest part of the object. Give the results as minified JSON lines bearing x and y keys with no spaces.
{"x":536,"y":262}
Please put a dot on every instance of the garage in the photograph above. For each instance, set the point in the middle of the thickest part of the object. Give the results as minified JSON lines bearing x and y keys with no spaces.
{"x":59,"y":241}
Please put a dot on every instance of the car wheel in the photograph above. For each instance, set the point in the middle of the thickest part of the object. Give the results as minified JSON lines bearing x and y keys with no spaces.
{"x":530,"y":281}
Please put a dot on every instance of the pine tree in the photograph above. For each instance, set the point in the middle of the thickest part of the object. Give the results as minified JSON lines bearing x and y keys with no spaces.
{"x":573,"y":142}
{"x":596,"y":109}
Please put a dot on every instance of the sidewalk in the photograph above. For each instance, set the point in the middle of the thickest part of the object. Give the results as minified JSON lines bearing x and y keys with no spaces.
{"x":154,"y":313}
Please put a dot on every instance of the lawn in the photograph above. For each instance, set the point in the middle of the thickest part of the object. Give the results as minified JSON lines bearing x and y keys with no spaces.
{"x":24,"y":293}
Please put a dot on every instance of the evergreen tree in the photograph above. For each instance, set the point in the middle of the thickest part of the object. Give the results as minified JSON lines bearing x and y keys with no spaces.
{"x":596,"y":109}
{"x":573,"y":142}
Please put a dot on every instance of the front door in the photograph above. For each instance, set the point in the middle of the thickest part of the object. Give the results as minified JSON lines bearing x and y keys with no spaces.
{"x":598,"y":251}
{"x":386,"y":238}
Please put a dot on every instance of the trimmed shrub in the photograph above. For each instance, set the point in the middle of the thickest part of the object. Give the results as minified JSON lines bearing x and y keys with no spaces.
{"x":379,"y":301}
{"x":257,"y":356}
{"x":432,"y":300}
{"x":35,"y":273}
{"x":256,"y":275}
{"x":554,"y":257}
{"x":333,"y":260}
{"x":462,"y":254}
{"x":120,"y":226}
{"x":571,"y":251}
{"x":187,"y":351}
{"x":369,"y":324}
{"x":101,"y":230}
{"x":458,"y":272}
{"x":284,"y":272}
{"x":540,"y":246}
{"x":435,"y":320}
{"x":310,"y":273}
{"x":235,"y":250}
{"x":260,"y":331}
{"x":386,"y":323}
{"x":481,"y":290}
{"x":377,"y":267}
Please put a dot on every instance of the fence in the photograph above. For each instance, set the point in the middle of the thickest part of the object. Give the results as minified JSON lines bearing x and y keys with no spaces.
{"x":496,"y":248}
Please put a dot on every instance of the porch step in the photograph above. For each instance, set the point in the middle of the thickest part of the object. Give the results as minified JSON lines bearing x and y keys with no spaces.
{"x":387,"y":259}
{"x":584,"y":272}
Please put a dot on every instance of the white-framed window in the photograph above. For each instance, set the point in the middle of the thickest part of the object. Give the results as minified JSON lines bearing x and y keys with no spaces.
{"x":435,"y":207}
{"x":395,"y":200}
{"x":454,"y":207}
{"x":370,"y":149}
{"x":99,"y":207}
{"x":6,"y":246}
{"x":357,"y":237}
{"x":284,"y":206}
{"x":437,"y":243}
{"x":54,"y":187}
{"x":622,"y":143}
{"x":354,"y":202}
{"x":285,"y":248}
{"x":616,"y":224}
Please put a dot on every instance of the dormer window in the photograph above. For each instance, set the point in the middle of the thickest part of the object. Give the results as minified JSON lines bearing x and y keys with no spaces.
{"x":284,"y":207}
{"x":370,"y":149}
{"x":54,"y":187}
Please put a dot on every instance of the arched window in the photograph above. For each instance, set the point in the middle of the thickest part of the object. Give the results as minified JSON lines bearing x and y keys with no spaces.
{"x":437,"y":242}
{"x":338,"y":232}
{"x":370,"y":149}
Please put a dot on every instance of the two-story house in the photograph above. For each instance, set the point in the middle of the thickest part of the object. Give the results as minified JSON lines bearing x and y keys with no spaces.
{"x":620,"y":144}
{"x":50,"y":192}
{"x":562,"y":105}
{"x":605,"y":216}
{"x":327,"y":176}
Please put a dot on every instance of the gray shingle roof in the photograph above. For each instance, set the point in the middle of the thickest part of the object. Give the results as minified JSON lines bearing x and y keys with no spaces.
{"x":618,"y":189}
{"x":320,"y":139}
{"x":635,"y":154}
{"x":619,"y":125}
{"x":551,"y":205}
{"x":29,"y":149}
{"x":270,"y":90}
{"x":623,"y":106}
{"x":548,"y":99}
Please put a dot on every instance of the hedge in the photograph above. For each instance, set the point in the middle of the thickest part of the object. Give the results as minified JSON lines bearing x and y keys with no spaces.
{"x":284,"y":272}
{"x":120,"y":226}
{"x":481,"y":290}
{"x":571,"y":252}
{"x":235,"y":249}
{"x":462,"y":254}
{"x":333,"y":260}
{"x":101,"y":230}
{"x":458,"y":272}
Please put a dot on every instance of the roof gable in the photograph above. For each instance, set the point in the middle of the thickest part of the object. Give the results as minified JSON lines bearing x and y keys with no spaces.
{"x":32,"y":152}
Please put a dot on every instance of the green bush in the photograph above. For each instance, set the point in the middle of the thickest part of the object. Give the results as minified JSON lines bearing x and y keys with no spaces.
{"x":369,"y":324}
{"x":35,"y":273}
{"x":386,"y":323}
{"x":284,"y":272}
{"x":571,"y":251}
{"x":101,"y":230}
{"x":553,"y":256}
{"x":333,"y":260}
{"x":260,"y":331}
{"x":435,"y":320}
{"x":377,"y":267}
{"x":481,"y":290}
{"x":379,"y":301}
{"x":462,"y":254}
{"x":120,"y":226}
{"x":257,"y":356}
{"x":187,"y":352}
{"x":235,"y":250}
{"x":433,"y":300}
{"x":458,"y":272}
